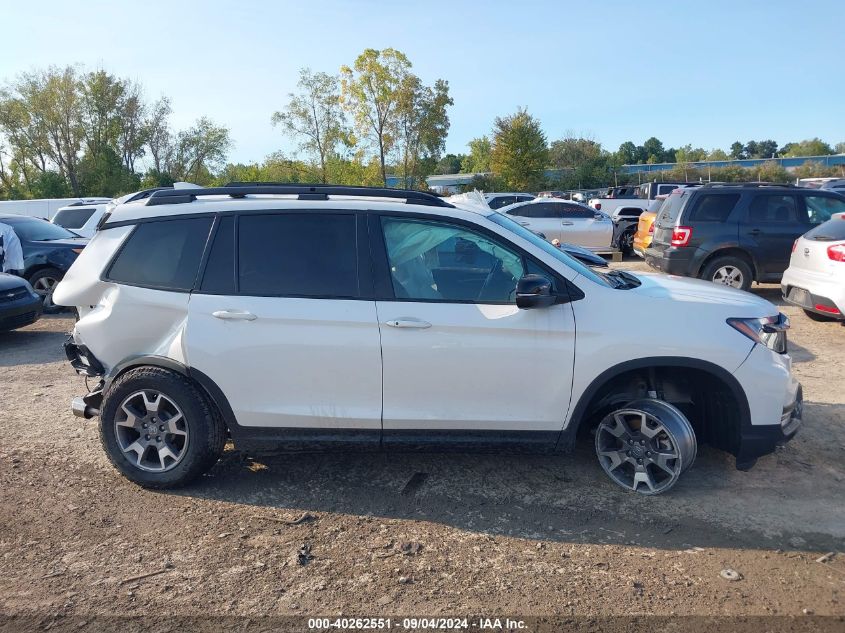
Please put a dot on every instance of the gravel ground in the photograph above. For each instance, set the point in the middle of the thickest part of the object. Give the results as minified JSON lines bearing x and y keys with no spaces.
{"x":411,"y":534}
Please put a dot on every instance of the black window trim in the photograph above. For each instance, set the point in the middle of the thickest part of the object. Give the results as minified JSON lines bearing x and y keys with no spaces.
{"x":383,"y":284}
{"x":105,"y":275}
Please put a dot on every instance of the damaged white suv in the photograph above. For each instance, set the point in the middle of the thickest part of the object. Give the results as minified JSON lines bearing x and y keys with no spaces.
{"x":315,"y":317}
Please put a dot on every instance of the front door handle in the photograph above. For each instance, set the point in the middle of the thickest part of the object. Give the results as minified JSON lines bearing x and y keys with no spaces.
{"x":409,"y":322}
{"x":234,"y":315}
{"x":755,"y":232}
{"x":567,"y":223}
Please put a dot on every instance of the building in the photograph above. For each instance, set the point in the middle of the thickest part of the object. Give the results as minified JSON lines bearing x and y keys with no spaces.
{"x":786,"y":163}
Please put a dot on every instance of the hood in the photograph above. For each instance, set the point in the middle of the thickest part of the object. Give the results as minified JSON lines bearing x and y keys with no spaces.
{"x":8,"y":282}
{"x":70,"y":242}
{"x":738,"y":302}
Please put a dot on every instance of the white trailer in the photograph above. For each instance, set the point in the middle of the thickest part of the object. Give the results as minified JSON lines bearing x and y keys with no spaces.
{"x":45,"y":208}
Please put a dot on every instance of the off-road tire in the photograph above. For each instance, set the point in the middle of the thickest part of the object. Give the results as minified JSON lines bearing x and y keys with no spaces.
{"x":206,"y":430}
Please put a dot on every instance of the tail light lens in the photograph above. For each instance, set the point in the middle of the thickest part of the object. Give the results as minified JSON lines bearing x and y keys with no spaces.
{"x":681,"y":235}
{"x":651,"y":229}
{"x":836,"y":252}
{"x":794,"y":245}
{"x":598,"y":206}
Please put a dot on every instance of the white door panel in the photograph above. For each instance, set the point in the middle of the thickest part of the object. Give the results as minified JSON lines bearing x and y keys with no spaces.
{"x":550,"y":227}
{"x":588,"y":232}
{"x":288,"y":362}
{"x":476,"y":367}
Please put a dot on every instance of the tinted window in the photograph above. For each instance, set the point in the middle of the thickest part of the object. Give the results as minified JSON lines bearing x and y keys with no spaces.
{"x":219,"y":274}
{"x":501,"y":201}
{"x":298,"y":254}
{"x":35,"y":230}
{"x":74,"y":218}
{"x":433,"y":261}
{"x":577,"y":211}
{"x":713,"y":207}
{"x":820,"y":208}
{"x":162,"y":254}
{"x":830,"y":231}
{"x":545,"y":210}
{"x":670,"y":210}
{"x":666,"y":188}
{"x":766,"y":209}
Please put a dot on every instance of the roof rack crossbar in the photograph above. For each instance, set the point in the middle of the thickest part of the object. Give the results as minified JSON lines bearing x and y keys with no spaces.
{"x":304,"y":192}
{"x":748,"y":184}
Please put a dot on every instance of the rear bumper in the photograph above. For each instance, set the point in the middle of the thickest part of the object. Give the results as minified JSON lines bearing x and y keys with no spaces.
{"x":818,"y":290}
{"x":673,"y":261}
{"x":82,"y":360}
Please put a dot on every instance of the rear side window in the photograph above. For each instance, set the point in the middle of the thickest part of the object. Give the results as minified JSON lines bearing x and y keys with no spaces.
{"x":713,"y":207}
{"x":164,"y":255}
{"x":821,"y":208}
{"x":671,"y":208}
{"x":219,"y":276}
{"x":830,"y":231}
{"x":766,"y":209}
{"x":577,"y":211}
{"x":298,"y":254}
{"x":74,"y":218}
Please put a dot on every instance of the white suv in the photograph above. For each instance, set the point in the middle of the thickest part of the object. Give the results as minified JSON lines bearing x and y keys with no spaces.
{"x":293,"y":316}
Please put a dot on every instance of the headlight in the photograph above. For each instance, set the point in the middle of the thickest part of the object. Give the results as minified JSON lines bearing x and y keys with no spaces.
{"x":768,"y":331}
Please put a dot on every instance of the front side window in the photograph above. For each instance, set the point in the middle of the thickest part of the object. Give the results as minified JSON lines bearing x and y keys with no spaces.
{"x":821,"y":208}
{"x":164,"y":254}
{"x":298,"y":254}
{"x":768,"y":209}
{"x":433,"y":261}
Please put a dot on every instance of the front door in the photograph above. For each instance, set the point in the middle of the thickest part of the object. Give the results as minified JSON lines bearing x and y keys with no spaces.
{"x":281,"y":326}
{"x":461,"y":361}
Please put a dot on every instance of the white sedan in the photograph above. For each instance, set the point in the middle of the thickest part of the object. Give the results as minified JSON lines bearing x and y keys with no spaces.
{"x":564,"y":220}
{"x":815,"y":279}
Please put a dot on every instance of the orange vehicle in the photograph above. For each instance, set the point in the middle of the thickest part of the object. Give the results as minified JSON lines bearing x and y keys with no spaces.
{"x":645,"y":227}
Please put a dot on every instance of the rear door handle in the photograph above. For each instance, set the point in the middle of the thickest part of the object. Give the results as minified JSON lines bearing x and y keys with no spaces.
{"x":567,"y":223}
{"x":755,"y":232}
{"x":234,"y":315}
{"x":409,"y":322}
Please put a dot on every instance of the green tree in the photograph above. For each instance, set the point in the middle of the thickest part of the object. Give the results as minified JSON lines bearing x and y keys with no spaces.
{"x":718,"y":154}
{"x":371,"y":90}
{"x":450,"y":164}
{"x":737,"y":150}
{"x":840,"y":148}
{"x":423,"y":126}
{"x":158,"y":137}
{"x":630,"y":154}
{"x":653,"y":148}
{"x":315,"y":118}
{"x":478,"y":159}
{"x":572,"y":152}
{"x":519,"y":154}
{"x":200,"y":150}
{"x":807,"y":147}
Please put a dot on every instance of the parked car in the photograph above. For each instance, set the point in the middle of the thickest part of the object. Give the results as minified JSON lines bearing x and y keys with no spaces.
{"x":20,"y":305}
{"x":815,"y":279}
{"x":499,"y":200}
{"x":44,"y":208}
{"x":48,"y":252}
{"x":565,"y":221}
{"x":645,"y":226}
{"x":80,"y":218}
{"x":736,"y":233}
{"x":354,"y":318}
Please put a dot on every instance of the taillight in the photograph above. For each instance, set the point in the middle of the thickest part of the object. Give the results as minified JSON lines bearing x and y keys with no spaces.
{"x":681,"y":235}
{"x":794,"y":245}
{"x":651,"y":229}
{"x":829,"y":309}
{"x":598,"y":206}
{"x":836,"y":252}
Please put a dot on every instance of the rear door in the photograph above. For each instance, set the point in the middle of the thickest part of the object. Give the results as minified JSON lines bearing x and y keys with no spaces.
{"x":771,"y":225}
{"x":285,"y":324}
{"x":540,"y":217}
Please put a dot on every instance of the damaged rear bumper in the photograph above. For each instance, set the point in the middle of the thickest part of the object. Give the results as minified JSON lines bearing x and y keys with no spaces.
{"x":85,"y":364}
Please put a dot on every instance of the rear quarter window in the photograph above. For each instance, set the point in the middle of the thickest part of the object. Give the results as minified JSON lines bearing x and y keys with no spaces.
{"x":713,"y":207}
{"x":163,"y":254}
{"x":73,"y":218}
{"x":830,"y":231}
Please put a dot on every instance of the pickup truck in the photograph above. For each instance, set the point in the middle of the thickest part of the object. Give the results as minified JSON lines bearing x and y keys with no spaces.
{"x":625,"y":212}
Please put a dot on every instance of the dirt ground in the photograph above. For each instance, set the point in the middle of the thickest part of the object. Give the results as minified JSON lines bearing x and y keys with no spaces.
{"x":411,"y":534}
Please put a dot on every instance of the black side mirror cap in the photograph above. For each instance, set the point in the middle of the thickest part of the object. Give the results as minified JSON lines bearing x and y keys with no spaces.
{"x":535,"y":291}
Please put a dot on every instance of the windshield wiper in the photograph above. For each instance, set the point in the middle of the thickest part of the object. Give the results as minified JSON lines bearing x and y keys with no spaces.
{"x":623,"y":279}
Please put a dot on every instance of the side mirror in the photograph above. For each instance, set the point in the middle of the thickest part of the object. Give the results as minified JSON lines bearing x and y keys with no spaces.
{"x":534,"y":291}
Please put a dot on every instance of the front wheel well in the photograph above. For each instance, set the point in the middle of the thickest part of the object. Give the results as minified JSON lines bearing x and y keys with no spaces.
{"x":710,"y":401}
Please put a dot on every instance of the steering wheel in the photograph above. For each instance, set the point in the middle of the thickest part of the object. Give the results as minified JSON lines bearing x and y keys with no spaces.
{"x":497,"y":268}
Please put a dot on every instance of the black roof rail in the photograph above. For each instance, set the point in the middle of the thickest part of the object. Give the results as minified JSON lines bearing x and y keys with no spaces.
{"x":748,"y":184}
{"x":303,"y":192}
{"x":146,"y":193}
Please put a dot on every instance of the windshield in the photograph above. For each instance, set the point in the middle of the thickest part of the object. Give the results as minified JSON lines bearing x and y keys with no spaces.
{"x":35,"y":230}
{"x":539,"y":242}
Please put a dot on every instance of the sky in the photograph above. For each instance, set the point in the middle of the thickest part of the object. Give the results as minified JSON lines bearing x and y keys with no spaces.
{"x":706,"y":73}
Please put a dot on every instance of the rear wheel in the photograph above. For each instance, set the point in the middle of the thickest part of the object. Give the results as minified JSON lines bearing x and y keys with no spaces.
{"x":626,"y":241}
{"x":729,"y":271}
{"x":158,"y":429}
{"x":646,"y":446}
{"x":44,"y":282}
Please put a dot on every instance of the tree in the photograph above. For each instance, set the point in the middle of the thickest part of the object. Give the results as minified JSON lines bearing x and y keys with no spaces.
{"x":807,"y":147}
{"x":371,"y":90}
{"x":314,"y":116}
{"x":653,"y":148}
{"x":572,"y":152}
{"x":423,"y":125}
{"x":201,"y":149}
{"x":450,"y":164}
{"x":718,"y":154}
{"x":519,"y":154}
{"x":737,"y":150}
{"x":478,"y":160}
{"x":686,"y":154}
{"x":630,"y":154}
{"x":840,"y":148}
{"x":158,"y":137}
